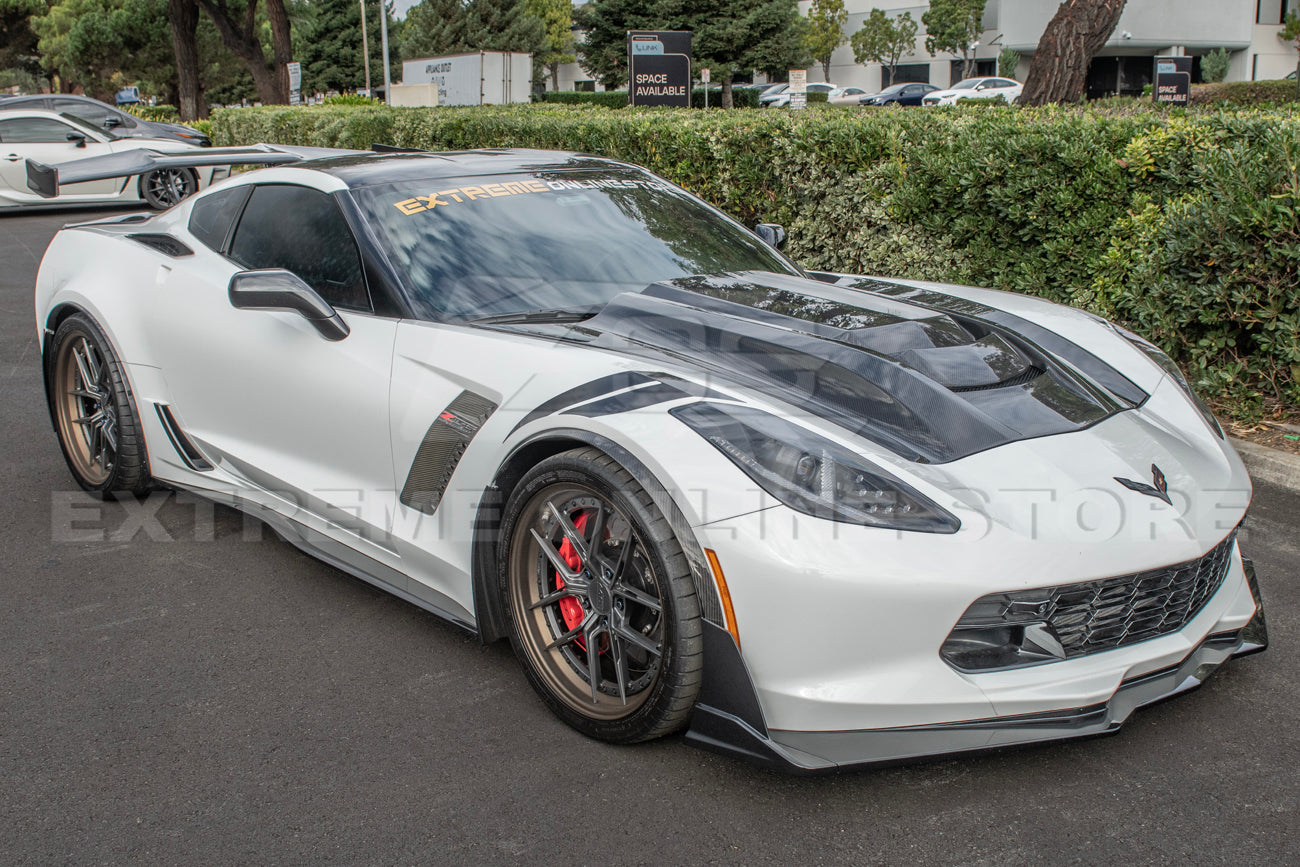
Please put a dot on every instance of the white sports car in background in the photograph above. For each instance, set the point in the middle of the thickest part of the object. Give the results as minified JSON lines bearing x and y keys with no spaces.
{"x":50,"y":137}
{"x":816,"y":520}
{"x":976,"y":88}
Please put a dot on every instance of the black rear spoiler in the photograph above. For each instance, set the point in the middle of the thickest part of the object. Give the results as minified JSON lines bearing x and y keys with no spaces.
{"x":45,"y":180}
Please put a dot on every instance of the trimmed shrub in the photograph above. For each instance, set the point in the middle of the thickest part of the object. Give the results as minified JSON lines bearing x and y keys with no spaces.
{"x":1244,"y":94}
{"x":618,"y":98}
{"x":160,"y":113}
{"x":606,"y":98}
{"x":1181,"y":223}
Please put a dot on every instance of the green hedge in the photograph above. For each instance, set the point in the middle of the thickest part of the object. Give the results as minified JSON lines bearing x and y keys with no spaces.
{"x":618,"y":98}
{"x":1182,"y":224}
{"x":1244,"y":94}
{"x":606,"y":98}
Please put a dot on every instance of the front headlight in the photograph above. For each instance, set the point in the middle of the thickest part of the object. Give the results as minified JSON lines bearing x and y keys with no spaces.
{"x":1156,"y":354}
{"x":811,"y":474}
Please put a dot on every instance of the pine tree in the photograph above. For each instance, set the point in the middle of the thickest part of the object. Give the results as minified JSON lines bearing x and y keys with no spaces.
{"x":331,"y":57}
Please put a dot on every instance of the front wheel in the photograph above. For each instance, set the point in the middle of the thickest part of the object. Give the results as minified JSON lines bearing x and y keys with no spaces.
{"x":163,"y":188}
{"x":603,"y":614}
{"x":94,"y":415}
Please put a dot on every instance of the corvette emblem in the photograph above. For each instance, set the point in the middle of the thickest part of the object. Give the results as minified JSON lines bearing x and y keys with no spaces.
{"x":1160,"y":490}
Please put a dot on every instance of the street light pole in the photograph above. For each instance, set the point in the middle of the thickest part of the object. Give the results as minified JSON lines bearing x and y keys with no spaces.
{"x":365,"y":44}
{"x":383,"y":35}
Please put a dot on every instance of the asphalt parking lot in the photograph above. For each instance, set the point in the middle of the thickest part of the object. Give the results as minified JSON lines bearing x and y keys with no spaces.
{"x":179,"y":686}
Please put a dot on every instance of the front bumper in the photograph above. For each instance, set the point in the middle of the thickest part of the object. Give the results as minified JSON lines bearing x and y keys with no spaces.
{"x":740,"y":733}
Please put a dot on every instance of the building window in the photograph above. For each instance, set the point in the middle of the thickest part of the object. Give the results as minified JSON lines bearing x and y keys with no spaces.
{"x":1272,"y":11}
{"x":979,"y":69}
{"x":908,"y":72}
{"x":584,"y":86}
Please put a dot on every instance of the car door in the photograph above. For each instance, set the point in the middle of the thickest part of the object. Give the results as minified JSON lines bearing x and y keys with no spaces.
{"x":262,"y":393}
{"x":911,"y":95}
{"x":45,"y":139}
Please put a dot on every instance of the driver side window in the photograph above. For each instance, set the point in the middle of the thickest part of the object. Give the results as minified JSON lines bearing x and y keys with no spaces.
{"x":302,"y":230}
{"x":34,"y":130}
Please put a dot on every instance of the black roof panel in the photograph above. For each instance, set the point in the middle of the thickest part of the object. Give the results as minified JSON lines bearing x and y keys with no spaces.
{"x":366,"y":169}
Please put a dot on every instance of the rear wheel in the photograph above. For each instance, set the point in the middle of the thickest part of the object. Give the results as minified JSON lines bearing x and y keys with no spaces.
{"x":94,"y":415}
{"x":162,"y":188}
{"x":602,"y":611}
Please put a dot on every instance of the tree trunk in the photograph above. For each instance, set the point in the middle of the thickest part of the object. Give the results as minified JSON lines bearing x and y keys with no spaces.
{"x":728,"y":101}
{"x":280,"y":46}
{"x":184,"y":18}
{"x":555,"y":76}
{"x":826,"y":69}
{"x":1059,"y":72}
{"x":241,"y":37}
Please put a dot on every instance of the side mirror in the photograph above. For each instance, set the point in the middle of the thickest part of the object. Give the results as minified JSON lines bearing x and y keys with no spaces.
{"x":277,"y":289}
{"x":979,"y":87}
{"x":772,"y":234}
{"x":112,"y":122}
{"x":78,"y":137}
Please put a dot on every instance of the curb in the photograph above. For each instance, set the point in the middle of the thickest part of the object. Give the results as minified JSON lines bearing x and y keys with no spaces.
{"x":1269,"y":465}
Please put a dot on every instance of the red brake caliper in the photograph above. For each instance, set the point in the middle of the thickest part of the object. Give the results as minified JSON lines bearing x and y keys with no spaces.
{"x":570,"y":606}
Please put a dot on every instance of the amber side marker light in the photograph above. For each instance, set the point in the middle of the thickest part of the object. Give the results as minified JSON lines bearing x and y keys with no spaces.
{"x":721,"y":581}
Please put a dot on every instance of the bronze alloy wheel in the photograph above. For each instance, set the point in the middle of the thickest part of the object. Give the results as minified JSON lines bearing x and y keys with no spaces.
{"x":602,"y":611}
{"x":92,"y":410}
{"x":87,"y":416}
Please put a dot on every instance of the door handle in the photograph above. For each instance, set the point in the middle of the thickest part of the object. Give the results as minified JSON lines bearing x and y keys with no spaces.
{"x":13,"y":158}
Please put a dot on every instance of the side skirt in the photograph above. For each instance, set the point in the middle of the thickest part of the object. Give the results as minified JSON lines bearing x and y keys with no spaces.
{"x":345,"y":559}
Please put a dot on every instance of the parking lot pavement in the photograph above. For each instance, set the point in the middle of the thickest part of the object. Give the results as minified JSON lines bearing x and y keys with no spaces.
{"x":178,"y":686}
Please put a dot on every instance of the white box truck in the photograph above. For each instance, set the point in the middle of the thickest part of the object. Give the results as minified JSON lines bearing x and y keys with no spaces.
{"x":479,"y":78}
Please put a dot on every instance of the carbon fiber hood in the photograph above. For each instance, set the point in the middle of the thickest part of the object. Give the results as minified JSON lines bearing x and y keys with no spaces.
{"x":931,"y":377}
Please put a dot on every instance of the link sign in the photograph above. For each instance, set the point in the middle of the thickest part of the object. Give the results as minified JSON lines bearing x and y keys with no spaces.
{"x":1173,"y":80}
{"x":659,"y":67}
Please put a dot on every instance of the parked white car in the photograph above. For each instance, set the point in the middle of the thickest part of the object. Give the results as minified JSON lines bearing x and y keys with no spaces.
{"x":780,"y":98}
{"x":846,"y":95}
{"x":976,"y":88}
{"x":50,"y":138}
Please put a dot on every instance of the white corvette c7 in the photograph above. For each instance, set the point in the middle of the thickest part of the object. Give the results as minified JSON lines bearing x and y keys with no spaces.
{"x":51,"y":137}
{"x":816,"y":520}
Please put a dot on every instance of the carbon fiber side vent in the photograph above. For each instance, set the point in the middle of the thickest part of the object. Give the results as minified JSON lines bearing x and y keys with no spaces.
{"x":444,"y":445}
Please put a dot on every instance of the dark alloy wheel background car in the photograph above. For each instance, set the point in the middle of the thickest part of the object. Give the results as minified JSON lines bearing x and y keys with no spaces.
{"x":100,"y":114}
{"x":906,"y":93}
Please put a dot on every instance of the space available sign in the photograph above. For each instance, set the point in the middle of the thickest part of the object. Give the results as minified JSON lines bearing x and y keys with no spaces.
{"x":1173,"y":80}
{"x":659,"y":67}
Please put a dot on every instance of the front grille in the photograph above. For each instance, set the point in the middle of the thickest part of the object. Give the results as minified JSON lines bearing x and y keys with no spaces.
{"x":1115,"y":612}
{"x":1026,"y":627}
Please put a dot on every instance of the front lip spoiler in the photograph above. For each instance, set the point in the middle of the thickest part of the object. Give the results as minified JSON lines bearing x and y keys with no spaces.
{"x":811,"y":752}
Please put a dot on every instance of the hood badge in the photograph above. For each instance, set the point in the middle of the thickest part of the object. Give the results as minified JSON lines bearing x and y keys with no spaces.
{"x":1160,"y":490}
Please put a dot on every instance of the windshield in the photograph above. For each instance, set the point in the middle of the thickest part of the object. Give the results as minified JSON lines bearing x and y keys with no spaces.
{"x":966,"y":84}
{"x":475,"y":247}
{"x":90,"y":127}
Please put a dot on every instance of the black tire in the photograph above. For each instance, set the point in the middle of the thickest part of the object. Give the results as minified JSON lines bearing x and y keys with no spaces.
{"x":163,"y":188}
{"x":649,"y":662}
{"x":93,"y":413}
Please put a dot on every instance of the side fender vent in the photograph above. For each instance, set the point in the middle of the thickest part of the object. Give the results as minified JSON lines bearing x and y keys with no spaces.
{"x":165,"y":244}
{"x":444,"y":445}
{"x":189,"y":452}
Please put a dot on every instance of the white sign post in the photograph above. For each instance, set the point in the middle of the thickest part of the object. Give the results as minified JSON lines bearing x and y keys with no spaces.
{"x":704,"y":79}
{"x":295,"y":82}
{"x":798,"y":88}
